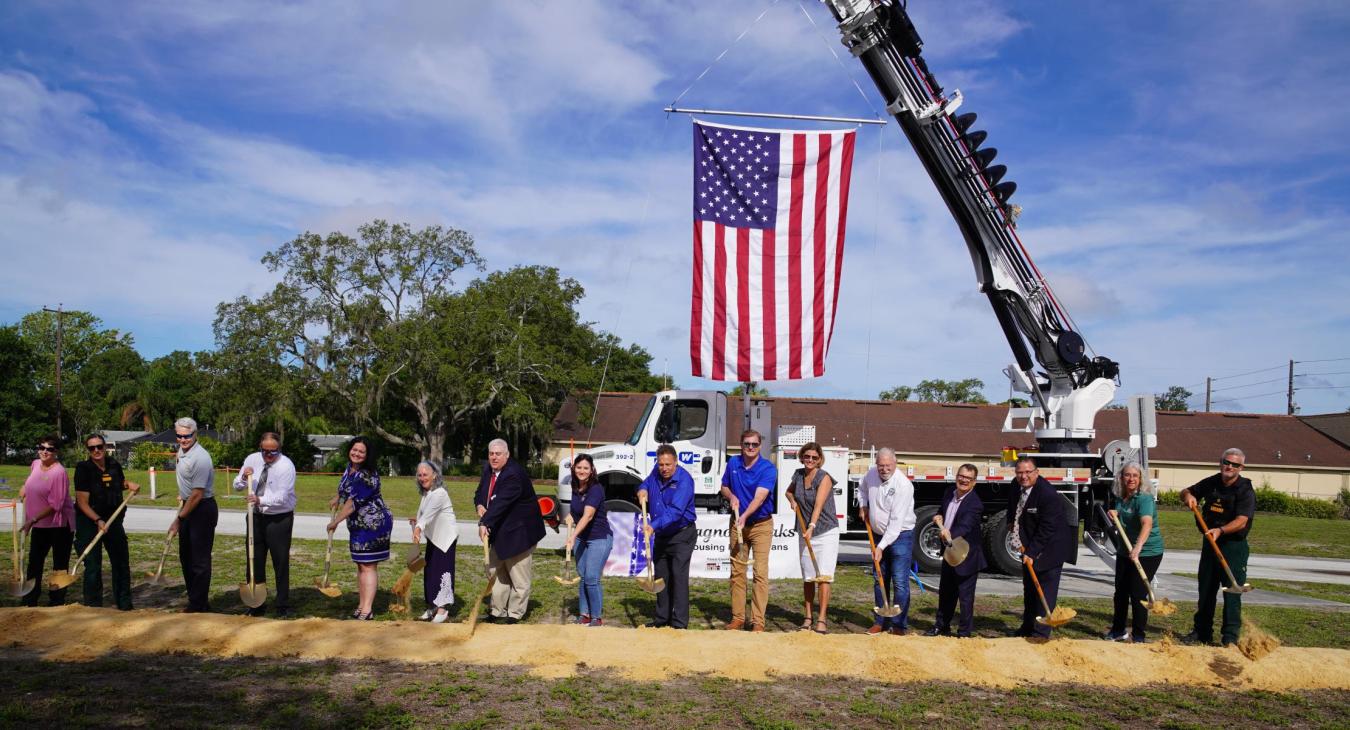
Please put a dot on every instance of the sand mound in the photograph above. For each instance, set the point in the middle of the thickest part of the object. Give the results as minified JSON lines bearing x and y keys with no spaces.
{"x":1255,"y":643}
{"x":74,"y":633}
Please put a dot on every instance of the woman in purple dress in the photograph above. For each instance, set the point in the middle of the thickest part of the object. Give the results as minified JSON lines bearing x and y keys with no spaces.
{"x":369,"y":522}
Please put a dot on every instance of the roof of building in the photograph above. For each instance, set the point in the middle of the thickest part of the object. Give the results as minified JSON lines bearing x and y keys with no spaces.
{"x":167,"y":436}
{"x":1335,"y":426}
{"x":328,"y":441}
{"x":977,"y":430}
{"x":120,"y":436}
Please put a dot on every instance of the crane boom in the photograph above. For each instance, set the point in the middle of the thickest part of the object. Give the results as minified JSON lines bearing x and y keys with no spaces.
{"x":1071,"y":386}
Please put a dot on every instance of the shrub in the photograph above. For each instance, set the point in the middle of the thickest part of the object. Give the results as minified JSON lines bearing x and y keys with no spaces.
{"x":147,"y":454}
{"x":1270,"y":500}
{"x":1343,"y":501}
{"x":1171,"y":498}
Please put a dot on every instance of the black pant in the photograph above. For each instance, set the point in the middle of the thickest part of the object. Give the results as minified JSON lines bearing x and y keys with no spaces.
{"x":952,"y":587}
{"x":1131,"y":592}
{"x":272,"y":534}
{"x":671,"y":560}
{"x":1031,"y":603}
{"x":42,"y":540}
{"x":196,"y":536}
{"x":119,"y":559}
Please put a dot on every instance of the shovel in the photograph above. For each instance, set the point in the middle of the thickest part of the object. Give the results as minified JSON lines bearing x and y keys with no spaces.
{"x":157,"y":577}
{"x":19,"y":587}
{"x":325,"y":587}
{"x":956,"y":552}
{"x":1057,"y":617}
{"x":487,"y":590}
{"x":252,"y":594}
{"x":1163,"y":607}
{"x":815,"y":568}
{"x":885,"y":610}
{"x":650,"y":583}
{"x":567,"y":563}
{"x":740,"y":541}
{"x":1232,"y":586}
{"x":62,"y":578}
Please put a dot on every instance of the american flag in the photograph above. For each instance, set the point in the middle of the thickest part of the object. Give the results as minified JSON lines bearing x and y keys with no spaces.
{"x":769,"y":216}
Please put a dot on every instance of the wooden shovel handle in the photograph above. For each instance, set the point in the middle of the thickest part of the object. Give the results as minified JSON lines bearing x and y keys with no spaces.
{"x":1214,"y":544}
{"x":812,"y":553}
{"x":1137,"y":565}
{"x":1037,"y":582}
{"x":99,"y":535}
{"x":876,"y":563}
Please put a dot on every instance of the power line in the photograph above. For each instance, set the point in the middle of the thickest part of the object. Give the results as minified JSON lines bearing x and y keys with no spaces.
{"x":1333,"y":359}
{"x":1309,"y":375}
{"x":1262,"y":370}
{"x":1324,"y":387}
{"x":1248,"y":397}
{"x":1248,"y":385}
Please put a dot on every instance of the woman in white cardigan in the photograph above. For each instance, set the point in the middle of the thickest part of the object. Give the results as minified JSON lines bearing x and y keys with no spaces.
{"x":436,"y":521}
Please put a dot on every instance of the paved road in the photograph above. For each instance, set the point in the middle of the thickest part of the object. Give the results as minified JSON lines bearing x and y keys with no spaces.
{"x":1089,"y":579}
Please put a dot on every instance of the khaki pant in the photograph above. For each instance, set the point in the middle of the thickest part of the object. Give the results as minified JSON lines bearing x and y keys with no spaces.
{"x":759,"y":539}
{"x":511,"y":592}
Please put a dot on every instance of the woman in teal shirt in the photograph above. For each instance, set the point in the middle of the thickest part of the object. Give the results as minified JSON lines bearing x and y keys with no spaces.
{"x":1138,"y":512}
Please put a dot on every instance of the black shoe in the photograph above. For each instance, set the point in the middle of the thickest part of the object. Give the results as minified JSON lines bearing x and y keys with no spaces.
{"x":962,"y":635}
{"x":283,"y":613}
{"x":1114,"y":636}
{"x":655,"y":625}
{"x":1229,"y":642}
{"x":257,"y":612}
{"x":1023,"y":633}
{"x":1194,"y":639}
{"x":935,"y":631}
{"x":511,"y":620}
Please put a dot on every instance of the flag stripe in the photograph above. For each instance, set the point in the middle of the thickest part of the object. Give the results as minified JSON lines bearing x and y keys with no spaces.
{"x":771,"y":204}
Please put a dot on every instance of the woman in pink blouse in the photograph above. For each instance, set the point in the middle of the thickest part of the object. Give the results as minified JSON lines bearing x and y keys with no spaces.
{"x":48,"y":517}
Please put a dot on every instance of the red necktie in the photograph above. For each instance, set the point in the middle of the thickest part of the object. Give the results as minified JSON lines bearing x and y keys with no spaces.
{"x":492,"y":486}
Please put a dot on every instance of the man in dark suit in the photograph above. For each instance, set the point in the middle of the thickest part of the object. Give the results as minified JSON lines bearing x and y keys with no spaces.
{"x":959,"y":516}
{"x":510,"y":523}
{"x":1041,"y":534}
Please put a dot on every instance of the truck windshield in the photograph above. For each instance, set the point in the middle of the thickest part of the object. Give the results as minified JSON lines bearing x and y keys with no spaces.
{"x":642,"y":422}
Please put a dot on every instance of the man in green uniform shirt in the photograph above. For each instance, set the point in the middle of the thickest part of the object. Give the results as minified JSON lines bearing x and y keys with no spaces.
{"x":1229,"y":507}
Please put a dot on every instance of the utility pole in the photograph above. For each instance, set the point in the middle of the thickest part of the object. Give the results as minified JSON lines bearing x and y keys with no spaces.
{"x":1291,"y":388}
{"x":1209,"y":385}
{"x":61,"y":329}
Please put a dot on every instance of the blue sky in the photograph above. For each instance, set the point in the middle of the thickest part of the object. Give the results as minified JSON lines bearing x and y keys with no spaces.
{"x":1183,"y":167}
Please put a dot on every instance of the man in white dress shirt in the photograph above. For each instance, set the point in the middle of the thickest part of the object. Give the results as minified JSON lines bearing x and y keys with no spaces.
{"x":887,"y":501}
{"x":273,"y":501}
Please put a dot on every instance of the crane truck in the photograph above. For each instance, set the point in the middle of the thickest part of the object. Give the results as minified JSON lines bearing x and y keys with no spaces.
{"x":1065,"y":384}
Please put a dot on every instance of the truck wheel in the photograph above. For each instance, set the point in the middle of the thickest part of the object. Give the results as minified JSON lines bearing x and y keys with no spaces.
{"x":927,"y":541}
{"x":998,"y":545}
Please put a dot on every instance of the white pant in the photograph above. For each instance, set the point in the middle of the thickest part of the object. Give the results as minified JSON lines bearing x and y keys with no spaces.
{"x":826,"y":548}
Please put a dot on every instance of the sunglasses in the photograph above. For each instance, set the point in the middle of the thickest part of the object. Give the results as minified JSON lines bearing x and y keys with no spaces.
{"x":96,"y":447}
{"x":271,"y":452}
{"x":50,"y":449}
{"x":808,"y":457}
{"x":1234,"y":464}
{"x":185,"y":436}
{"x":750,"y":444}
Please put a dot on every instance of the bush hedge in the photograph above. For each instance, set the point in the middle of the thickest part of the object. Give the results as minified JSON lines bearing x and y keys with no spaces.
{"x":1269,"y":499}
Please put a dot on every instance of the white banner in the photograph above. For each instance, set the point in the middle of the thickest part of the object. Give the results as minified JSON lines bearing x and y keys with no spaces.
{"x":711,"y":558}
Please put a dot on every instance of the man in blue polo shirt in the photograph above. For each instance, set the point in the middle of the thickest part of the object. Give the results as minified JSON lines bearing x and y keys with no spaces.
{"x":668,"y":493}
{"x":748,"y":483}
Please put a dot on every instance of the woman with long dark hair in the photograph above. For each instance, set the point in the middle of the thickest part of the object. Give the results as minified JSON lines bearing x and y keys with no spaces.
{"x":369,"y":522}
{"x":590,"y":539}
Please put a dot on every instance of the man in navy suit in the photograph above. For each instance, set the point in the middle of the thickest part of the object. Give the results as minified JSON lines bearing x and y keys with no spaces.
{"x":510,"y":524}
{"x":959,"y":516}
{"x":1043,"y":536}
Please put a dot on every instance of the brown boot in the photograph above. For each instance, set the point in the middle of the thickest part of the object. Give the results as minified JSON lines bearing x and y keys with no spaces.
{"x":757,"y":628}
{"x":736,"y":624}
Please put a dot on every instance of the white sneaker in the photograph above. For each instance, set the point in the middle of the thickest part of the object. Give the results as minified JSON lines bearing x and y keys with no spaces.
{"x":441,"y":617}
{"x":426,"y":615}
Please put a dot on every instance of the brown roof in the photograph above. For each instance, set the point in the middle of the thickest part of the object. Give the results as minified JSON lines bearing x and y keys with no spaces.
{"x":977,"y":430}
{"x":1334,"y":425}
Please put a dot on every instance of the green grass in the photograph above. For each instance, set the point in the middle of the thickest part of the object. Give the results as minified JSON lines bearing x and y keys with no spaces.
{"x":118,"y":690}
{"x":1326,"y":591}
{"x":1271,"y":534}
{"x":627,"y":605}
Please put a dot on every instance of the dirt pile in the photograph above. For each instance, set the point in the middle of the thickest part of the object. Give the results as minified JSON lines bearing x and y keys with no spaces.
{"x":1255,"y":643}
{"x":74,"y":633}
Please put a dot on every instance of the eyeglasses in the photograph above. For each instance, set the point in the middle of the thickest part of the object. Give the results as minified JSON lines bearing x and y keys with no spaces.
{"x":96,"y":447}
{"x":49,"y":449}
{"x":1234,"y":464}
{"x":184,"y":436}
{"x":808,"y":457}
{"x":271,"y":452}
{"x":964,"y":478}
{"x":750,"y":444}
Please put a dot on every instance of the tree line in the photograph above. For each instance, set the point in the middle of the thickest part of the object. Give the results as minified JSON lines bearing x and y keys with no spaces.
{"x":362,"y":334}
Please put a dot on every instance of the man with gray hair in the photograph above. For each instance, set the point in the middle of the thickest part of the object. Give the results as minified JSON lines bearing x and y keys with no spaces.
{"x":510,"y":524}
{"x":886,"y":501}
{"x":1230,"y":506}
{"x":195,"y":523}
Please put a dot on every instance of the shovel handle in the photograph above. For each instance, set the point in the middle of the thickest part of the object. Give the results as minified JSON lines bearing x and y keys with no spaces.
{"x":801,"y":525}
{"x":99,"y":535}
{"x":1137,"y":565}
{"x":1037,"y":582}
{"x":18,"y":573}
{"x":1232,"y":581}
{"x":885,"y":598}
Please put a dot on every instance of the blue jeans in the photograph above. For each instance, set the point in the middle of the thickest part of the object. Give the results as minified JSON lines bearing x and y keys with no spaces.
{"x":591,"y":556}
{"x":895,"y":562}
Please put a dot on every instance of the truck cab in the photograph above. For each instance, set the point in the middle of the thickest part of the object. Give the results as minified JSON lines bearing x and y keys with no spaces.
{"x":692,"y":421}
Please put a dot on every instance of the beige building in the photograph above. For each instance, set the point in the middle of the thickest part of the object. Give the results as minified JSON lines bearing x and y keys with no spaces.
{"x":1287,"y":452}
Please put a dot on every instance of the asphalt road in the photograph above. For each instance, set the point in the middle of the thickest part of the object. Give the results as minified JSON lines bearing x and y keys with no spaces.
{"x":1090,"y":578}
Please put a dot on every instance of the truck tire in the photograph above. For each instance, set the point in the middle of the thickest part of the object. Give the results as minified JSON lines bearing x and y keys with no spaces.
{"x":997,"y":549}
{"x":927,"y":540}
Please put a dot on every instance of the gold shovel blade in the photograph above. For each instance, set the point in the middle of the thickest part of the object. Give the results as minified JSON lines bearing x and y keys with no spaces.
{"x":652,"y":586}
{"x":823,"y":579}
{"x":1057,"y":617}
{"x":1162,"y":606}
{"x":253,"y":594}
{"x":887,"y":611}
{"x":328,"y":589}
{"x":60,"y":579}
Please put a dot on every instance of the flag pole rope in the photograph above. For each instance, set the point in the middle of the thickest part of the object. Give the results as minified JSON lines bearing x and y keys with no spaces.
{"x":699,"y":78}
